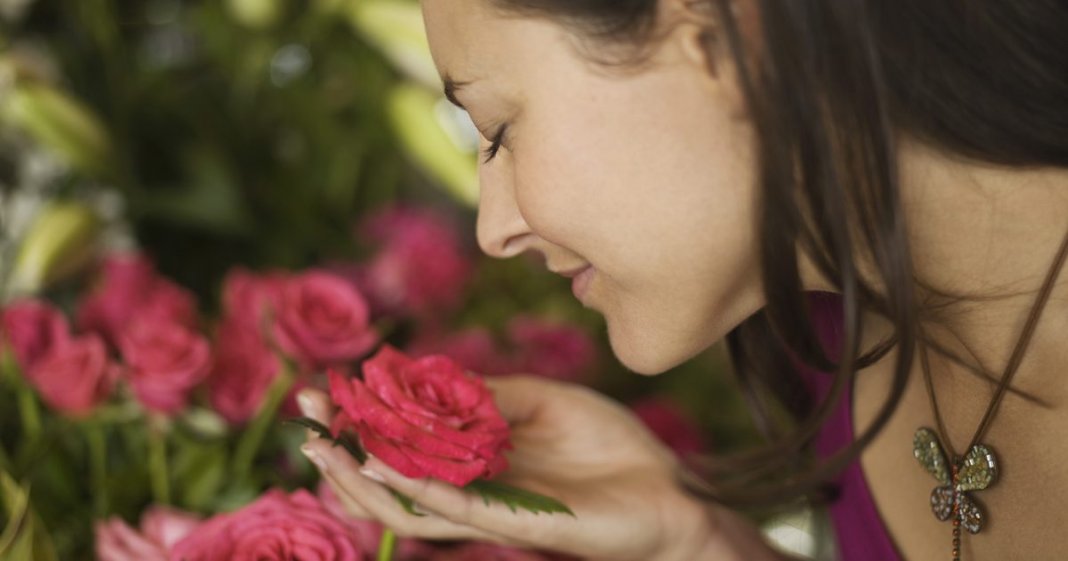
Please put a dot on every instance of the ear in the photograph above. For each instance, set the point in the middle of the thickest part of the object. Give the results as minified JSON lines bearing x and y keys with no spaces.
{"x":701,"y":40}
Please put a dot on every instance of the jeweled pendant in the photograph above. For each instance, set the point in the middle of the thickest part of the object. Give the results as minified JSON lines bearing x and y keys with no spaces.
{"x":976,"y":471}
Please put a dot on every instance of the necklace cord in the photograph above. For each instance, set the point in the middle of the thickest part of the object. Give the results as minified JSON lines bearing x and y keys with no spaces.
{"x":1014,"y":362}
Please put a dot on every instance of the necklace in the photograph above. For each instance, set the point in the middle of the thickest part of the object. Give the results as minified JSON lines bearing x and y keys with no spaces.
{"x":977,"y":469}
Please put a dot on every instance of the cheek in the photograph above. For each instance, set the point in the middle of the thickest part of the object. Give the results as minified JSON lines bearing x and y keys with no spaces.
{"x":659,"y":197}
{"x":636,"y":186}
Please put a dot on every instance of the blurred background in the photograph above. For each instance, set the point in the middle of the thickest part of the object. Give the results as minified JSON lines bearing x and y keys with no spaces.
{"x":284,"y":135}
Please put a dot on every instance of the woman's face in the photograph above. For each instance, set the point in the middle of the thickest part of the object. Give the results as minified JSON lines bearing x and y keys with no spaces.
{"x":646,"y":177}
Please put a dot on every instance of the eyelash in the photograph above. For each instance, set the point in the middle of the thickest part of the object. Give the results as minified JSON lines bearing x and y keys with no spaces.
{"x":491,"y":152}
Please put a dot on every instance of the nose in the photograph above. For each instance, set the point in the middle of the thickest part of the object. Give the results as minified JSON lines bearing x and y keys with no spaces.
{"x":502,"y":231}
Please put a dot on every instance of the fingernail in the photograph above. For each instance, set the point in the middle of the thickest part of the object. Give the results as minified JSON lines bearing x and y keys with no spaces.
{"x":305,"y":403}
{"x":315,"y":458}
{"x":372,"y":475}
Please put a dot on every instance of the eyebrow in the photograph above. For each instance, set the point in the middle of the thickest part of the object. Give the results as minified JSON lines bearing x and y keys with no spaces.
{"x":451,"y":87}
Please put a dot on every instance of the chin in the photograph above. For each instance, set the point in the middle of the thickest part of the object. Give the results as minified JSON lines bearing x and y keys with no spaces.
{"x":643,"y":354}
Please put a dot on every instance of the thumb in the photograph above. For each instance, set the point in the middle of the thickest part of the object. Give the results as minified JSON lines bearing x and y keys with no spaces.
{"x":521,"y":398}
{"x":315,"y":404}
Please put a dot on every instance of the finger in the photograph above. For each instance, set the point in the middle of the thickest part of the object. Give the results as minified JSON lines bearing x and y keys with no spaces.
{"x":315,"y":404}
{"x":352,"y":508}
{"x":377,"y":501}
{"x":462,"y":507}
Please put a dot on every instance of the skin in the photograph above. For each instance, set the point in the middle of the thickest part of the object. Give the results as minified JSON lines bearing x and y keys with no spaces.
{"x":648,"y":177}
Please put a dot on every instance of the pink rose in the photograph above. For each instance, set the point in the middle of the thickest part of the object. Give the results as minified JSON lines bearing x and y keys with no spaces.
{"x":478,"y":551}
{"x":667,"y":422}
{"x":560,"y":351}
{"x":474,"y":348}
{"x":425,"y":417}
{"x":370,"y":531}
{"x":166,"y":361}
{"x":322,"y":320}
{"x":161,"y":528}
{"x":32,"y":328}
{"x":276,"y":527}
{"x":128,"y":287}
{"x":420,"y":267}
{"x":75,"y":377}
{"x":243,"y":370}
{"x":249,"y":297}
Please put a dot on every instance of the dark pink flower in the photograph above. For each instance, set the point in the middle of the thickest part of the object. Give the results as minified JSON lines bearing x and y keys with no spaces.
{"x":420,"y":266}
{"x":674,"y":428}
{"x":75,"y":377}
{"x":322,"y":320}
{"x":474,"y":348}
{"x":250,"y":299}
{"x":370,"y":531}
{"x":477,"y":551}
{"x":425,"y":418}
{"x":161,"y":527}
{"x":243,"y":370}
{"x":276,"y":527}
{"x":31,"y":328}
{"x":553,"y":350}
{"x":129,"y":286}
{"x":165,"y":362}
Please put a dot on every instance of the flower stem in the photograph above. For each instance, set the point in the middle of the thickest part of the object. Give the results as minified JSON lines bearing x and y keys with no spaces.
{"x":29,"y":412}
{"x":250,"y":442}
{"x":157,"y":463}
{"x":97,"y":441}
{"x":385,"y":548}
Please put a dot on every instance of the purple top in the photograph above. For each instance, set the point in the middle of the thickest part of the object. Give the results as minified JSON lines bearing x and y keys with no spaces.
{"x":859,"y":529}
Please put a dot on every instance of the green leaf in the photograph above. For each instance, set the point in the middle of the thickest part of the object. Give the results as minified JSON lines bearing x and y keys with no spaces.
{"x":347,"y":441}
{"x":515,"y":498}
{"x":406,"y":502}
{"x":24,"y":538}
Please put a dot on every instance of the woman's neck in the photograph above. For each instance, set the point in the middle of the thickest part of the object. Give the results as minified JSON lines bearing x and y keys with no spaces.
{"x":989,"y":234}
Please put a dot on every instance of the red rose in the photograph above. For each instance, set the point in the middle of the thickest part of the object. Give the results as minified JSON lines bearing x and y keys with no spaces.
{"x":425,"y":417}
{"x":243,"y":370}
{"x":32,"y":328}
{"x":276,"y":527}
{"x":323,"y":319}
{"x":76,"y":376}
{"x":166,"y":361}
{"x":129,"y":287}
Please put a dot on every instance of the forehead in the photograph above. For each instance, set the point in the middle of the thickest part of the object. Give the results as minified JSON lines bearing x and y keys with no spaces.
{"x":465,"y":37}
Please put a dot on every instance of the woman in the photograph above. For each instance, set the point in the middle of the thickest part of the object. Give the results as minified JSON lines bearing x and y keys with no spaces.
{"x":700,"y":167}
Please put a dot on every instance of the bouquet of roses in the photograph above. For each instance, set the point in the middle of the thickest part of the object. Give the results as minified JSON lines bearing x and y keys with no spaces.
{"x":130,"y":403}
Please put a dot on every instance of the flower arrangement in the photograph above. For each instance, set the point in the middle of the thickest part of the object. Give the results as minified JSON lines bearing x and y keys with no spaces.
{"x":176,"y":414}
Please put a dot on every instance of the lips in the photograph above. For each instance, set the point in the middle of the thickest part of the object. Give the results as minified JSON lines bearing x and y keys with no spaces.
{"x":580,"y":283}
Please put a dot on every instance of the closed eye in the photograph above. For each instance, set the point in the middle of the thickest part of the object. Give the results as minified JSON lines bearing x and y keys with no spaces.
{"x":495,"y":146}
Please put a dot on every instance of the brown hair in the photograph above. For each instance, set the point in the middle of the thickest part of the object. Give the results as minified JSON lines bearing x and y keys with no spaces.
{"x":835,"y":83}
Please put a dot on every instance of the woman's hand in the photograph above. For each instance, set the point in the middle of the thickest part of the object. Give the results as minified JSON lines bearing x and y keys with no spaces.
{"x":571,"y":444}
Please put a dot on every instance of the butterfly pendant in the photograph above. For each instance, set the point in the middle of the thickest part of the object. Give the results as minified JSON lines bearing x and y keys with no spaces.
{"x":974,"y":472}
